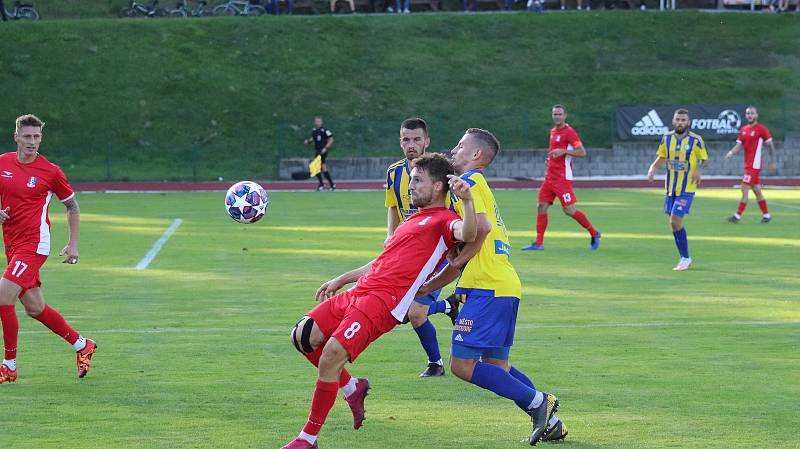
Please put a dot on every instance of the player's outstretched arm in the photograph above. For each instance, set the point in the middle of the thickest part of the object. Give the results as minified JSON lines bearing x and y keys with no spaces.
{"x":698,"y":172}
{"x":392,"y":222}
{"x":467,"y":229}
{"x":651,"y":173}
{"x":70,"y":252}
{"x":577,"y":151}
{"x":330,"y":288}
{"x":734,"y":151}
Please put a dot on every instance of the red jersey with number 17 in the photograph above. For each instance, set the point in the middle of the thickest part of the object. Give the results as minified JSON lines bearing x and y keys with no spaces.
{"x":752,"y":138}
{"x":26,"y":189}
{"x":416,"y":248}
{"x":560,"y":168}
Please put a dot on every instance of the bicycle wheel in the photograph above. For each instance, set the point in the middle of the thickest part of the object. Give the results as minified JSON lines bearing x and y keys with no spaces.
{"x":177,"y":13}
{"x":27,"y":13}
{"x":256,"y":10}
{"x":224,"y":10}
{"x":160,"y":12}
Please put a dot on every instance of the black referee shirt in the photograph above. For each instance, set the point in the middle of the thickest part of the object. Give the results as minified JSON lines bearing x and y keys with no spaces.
{"x":320,"y":137}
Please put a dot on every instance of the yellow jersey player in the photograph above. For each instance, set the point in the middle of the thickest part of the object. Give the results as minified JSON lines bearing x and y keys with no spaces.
{"x":484,"y":330}
{"x":684,"y":152}
{"x":414,"y":141}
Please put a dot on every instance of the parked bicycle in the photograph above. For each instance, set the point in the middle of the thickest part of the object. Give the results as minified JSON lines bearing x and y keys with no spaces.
{"x":182,"y":9}
{"x":136,"y":9}
{"x":239,"y":8}
{"x":23,"y":11}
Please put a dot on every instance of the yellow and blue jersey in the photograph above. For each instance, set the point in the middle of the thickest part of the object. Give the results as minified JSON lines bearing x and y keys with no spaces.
{"x":489,"y":272}
{"x":683,"y":155}
{"x":398,"y":177}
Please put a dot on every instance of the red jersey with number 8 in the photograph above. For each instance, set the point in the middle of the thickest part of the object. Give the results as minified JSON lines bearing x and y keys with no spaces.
{"x":27,"y":189}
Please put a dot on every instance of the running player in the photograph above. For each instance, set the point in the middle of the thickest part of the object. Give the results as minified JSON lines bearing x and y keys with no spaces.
{"x":484,"y":330}
{"x":414,"y":141}
{"x":685,"y":155}
{"x":27,"y":184}
{"x":564,"y":145}
{"x":344,"y":324}
{"x":752,"y":138}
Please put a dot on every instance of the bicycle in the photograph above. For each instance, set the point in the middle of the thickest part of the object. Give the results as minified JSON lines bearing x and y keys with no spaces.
{"x":23,"y":11}
{"x":239,"y":8}
{"x":182,"y":10}
{"x":136,"y":9}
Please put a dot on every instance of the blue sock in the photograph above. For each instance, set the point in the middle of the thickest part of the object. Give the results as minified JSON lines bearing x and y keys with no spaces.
{"x":497,"y":380}
{"x":520,"y":376}
{"x":427,"y":336}
{"x":437,"y":307}
{"x":681,"y":242}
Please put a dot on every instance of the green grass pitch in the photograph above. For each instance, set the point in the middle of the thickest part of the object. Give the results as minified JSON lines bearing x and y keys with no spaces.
{"x":194,"y":350}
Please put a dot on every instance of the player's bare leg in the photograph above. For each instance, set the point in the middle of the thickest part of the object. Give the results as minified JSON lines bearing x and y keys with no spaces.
{"x":541,"y":227}
{"x":331,"y":364}
{"x":9,"y":292}
{"x":742,"y":204}
{"x":309,"y":340}
{"x":762,"y":204}
{"x":573,"y":212}
{"x":681,"y":242}
{"x":418,"y":317}
{"x":36,"y":308}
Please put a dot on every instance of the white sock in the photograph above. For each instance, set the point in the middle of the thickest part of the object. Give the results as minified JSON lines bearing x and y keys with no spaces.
{"x":767,"y":216}
{"x":553,"y":421}
{"x":349,"y":388}
{"x":447,"y":307}
{"x":438,"y":362}
{"x":537,"y":400}
{"x":11,"y":364}
{"x":310,"y":438}
{"x":80,"y":343}
{"x":738,"y":217}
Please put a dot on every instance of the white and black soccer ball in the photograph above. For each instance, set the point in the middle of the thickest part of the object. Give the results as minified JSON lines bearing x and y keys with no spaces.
{"x":246,"y":202}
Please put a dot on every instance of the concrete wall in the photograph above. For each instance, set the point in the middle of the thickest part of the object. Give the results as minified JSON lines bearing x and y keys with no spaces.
{"x":624,"y":159}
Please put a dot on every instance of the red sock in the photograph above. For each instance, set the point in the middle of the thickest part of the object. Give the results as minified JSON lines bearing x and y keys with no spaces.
{"x":313,"y":357}
{"x":580,"y":217}
{"x":541,"y":226}
{"x":742,"y":207}
{"x":763,"y":205}
{"x":321,"y":404}
{"x":56,"y":323}
{"x":8,"y":316}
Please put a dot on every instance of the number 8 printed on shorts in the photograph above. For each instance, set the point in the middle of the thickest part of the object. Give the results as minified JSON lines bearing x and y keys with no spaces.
{"x":350,"y":332}
{"x":567,"y":197}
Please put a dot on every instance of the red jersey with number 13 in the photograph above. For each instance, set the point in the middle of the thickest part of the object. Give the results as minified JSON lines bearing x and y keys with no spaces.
{"x":560,"y":168}
{"x":27,"y":190}
{"x":753,"y":138}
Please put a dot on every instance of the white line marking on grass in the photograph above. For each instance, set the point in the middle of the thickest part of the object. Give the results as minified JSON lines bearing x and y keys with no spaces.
{"x":158,"y":244}
{"x":786,"y":205}
{"x":287,"y":328}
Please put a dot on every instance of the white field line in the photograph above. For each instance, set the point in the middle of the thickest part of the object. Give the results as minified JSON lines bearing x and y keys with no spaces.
{"x":790,"y":206}
{"x":158,"y":244}
{"x":287,"y":328}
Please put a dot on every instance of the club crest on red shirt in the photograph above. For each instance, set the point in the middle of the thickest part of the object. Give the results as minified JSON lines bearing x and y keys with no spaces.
{"x":31,"y":182}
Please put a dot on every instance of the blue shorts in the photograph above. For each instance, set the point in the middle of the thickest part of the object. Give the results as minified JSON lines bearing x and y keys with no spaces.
{"x":428,"y":299}
{"x":485,"y":325}
{"x":678,"y":205}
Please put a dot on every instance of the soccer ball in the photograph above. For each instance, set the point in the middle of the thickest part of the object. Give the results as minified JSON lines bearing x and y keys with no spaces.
{"x":246,"y":202}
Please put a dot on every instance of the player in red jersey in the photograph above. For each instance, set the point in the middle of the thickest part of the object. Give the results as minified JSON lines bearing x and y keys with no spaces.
{"x":343,"y":325}
{"x":564,"y":145}
{"x":752,"y":138}
{"x":27,"y":184}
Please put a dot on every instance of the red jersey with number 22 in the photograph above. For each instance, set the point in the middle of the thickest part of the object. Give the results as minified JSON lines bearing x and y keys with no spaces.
{"x":753,"y":138}
{"x":416,"y":248}
{"x":560,"y":168}
{"x":26,"y":189}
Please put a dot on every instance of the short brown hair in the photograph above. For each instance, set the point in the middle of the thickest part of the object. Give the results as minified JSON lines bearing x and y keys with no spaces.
{"x":681,"y":111}
{"x":437,"y":166}
{"x":559,"y":106}
{"x":28,"y":120}
{"x":487,"y":140}
{"x":415,"y":123}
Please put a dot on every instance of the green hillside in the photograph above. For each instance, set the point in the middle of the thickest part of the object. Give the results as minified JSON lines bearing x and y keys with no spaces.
{"x":230,"y":96}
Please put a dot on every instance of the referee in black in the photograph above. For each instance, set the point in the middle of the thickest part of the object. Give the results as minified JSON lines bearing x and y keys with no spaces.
{"x":323,"y":140}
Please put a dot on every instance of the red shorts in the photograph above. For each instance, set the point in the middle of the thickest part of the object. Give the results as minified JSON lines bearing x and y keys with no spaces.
{"x":23,"y":269}
{"x":549,"y":191}
{"x":354,"y":321}
{"x":752,"y":176}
